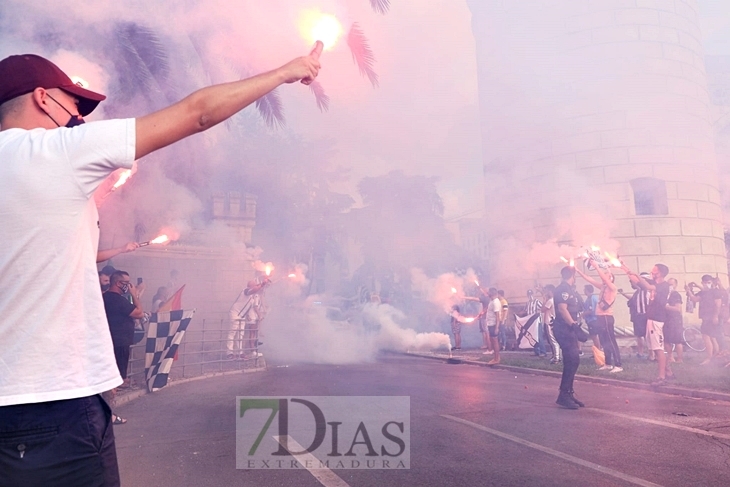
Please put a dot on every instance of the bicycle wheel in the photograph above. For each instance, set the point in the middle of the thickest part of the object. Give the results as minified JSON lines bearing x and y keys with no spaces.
{"x":693,"y":338}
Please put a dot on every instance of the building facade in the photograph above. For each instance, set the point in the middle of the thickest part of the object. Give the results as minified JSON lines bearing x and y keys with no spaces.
{"x":597,"y":126}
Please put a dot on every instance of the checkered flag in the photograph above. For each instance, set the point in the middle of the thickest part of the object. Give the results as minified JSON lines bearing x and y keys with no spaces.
{"x":164,"y":335}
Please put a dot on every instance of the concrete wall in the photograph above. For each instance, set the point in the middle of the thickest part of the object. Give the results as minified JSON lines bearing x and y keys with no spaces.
{"x":213,"y":277}
{"x":578,"y":98}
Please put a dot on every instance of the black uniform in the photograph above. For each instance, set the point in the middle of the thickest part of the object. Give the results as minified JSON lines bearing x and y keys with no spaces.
{"x":565,"y":334}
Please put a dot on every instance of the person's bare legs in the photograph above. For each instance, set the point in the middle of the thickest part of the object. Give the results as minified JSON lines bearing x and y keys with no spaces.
{"x":457,"y":340}
{"x":495,"y":344}
{"x":708,"y":349}
{"x":662,"y":362}
{"x":486,"y":342}
{"x":668,"y":351}
{"x":679,"y":348}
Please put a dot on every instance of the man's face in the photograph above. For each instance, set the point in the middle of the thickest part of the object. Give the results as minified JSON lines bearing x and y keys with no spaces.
{"x":104,"y":281}
{"x":655,"y":273}
{"x":587,"y":291}
{"x":62,"y":106}
{"x":123,"y":284}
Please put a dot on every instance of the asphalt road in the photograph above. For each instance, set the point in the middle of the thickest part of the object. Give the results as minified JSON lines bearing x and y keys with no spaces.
{"x":469,"y":426}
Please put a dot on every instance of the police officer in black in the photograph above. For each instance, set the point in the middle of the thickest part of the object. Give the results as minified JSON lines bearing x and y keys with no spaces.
{"x":567,"y":307}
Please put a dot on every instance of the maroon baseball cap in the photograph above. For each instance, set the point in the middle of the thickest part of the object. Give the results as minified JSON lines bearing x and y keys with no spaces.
{"x":24,"y":73}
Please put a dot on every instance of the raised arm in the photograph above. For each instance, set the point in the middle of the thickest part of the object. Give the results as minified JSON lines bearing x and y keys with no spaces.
{"x":588,"y":278}
{"x":606,"y":278}
{"x":209,"y":106}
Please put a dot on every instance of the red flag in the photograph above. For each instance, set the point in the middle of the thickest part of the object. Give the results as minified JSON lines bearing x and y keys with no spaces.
{"x":174,"y":303}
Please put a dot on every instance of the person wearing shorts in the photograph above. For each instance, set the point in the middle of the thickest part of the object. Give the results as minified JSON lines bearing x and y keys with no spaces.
{"x":656,"y":315}
{"x":673,"y":327}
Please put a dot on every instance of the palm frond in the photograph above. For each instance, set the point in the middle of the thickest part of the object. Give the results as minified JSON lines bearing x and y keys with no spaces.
{"x":142,"y":60}
{"x":271,"y":109}
{"x":380,"y":6}
{"x":323,"y":100}
{"x":362,"y":54}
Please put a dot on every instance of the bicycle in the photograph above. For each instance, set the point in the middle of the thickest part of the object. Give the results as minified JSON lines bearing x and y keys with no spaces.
{"x":693,"y":338}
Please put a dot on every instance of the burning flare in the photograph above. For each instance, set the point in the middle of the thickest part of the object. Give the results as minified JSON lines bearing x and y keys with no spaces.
{"x":292,"y":275}
{"x":614,"y":261}
{"x":316,"y":26}
{"x":268,"y":269}
{"x":79,"y":81}
{"x":157,"y":240}
{"x":453,"y":290}
{"x":122,"y":178}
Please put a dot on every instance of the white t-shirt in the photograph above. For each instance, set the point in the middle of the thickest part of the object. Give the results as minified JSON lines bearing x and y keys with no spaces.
{"x":246,"y":307}
{"x":54,"y":337}
{"x":493,"y":310}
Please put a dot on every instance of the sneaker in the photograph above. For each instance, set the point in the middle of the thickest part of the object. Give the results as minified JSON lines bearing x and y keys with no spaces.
{"x":488,"y":352}
{"x":606,"y":367}
{"x":455,"y":348}
{"x":566,"y":401}
{"x":230,"y":356}
{"x":580,"y":353}
{"x":554,"y":361}
{"x":616,"y":370}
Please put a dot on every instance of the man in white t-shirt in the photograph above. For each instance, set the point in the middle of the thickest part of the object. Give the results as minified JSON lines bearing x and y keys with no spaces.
{"x":57,"y":355}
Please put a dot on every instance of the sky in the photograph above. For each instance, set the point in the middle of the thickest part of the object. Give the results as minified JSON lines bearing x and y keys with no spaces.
{"x":423,"y":117}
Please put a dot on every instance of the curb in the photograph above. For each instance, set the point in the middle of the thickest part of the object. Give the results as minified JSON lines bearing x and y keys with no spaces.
{"x":676,"y":391}
{"x":132,"y":395}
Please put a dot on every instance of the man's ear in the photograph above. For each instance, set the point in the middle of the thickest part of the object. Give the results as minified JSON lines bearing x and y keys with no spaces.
{"x":40,"y":99}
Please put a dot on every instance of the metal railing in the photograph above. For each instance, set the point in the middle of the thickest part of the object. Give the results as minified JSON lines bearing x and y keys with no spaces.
{"x":203,"y":351}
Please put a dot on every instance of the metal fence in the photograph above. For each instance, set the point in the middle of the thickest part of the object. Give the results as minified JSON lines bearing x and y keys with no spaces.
{"x":203,"y":351}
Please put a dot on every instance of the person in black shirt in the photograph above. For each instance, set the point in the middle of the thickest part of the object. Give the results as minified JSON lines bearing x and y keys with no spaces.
{"x":710,"y":300}
{"x":120,"y":314}
{"x":673,"y":327}
{"x":656,"y":314}
{"x":567,"y":307}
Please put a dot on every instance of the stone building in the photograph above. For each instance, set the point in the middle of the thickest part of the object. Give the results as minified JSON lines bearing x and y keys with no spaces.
{"x":595,"y":114}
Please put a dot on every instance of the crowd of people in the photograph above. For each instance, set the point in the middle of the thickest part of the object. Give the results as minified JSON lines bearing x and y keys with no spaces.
{"x":563,"y":318}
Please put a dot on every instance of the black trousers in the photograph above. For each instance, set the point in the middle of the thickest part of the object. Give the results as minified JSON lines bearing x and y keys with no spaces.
{"x":565,"y":336}
{"x":607,"y":334}
{"x":58,"y":443}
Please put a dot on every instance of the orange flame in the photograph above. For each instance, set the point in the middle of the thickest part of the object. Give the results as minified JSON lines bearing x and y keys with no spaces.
{"x":476,"y":282}
{"x":317,"y":26}
{"x":564,"y":259}
{"x":122,"y":178}
{"x":453,"y":290}
{"x":292,"y":275}
{"x":614,"y":261}
{"x":160,"y":239}
{"x":468,"y":320}
{"x":268,"y":269}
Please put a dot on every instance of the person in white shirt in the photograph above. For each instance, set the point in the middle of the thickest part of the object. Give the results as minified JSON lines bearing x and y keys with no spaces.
{"x":57,"y":355}
{"x":494,"y":321}
{"x":548,"y":316}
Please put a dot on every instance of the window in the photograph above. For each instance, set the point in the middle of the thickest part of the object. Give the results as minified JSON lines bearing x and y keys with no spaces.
{"x":650,"y":196}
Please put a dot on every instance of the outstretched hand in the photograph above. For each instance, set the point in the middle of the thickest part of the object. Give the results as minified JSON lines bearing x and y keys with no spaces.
{"x":305,"y":68}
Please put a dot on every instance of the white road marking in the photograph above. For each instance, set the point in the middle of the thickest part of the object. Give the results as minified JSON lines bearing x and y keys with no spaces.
{"x":324,"y":475}
{"x":688,"y":429}
{"x":556,"y":453}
